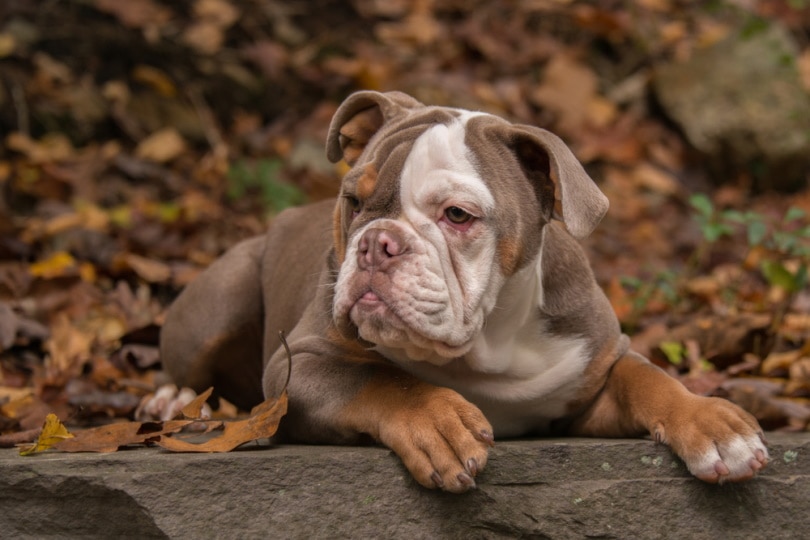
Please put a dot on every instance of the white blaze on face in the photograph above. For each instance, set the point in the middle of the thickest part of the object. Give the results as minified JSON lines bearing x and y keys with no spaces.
{"x":454,"y":269}
{"x":437,"y":175}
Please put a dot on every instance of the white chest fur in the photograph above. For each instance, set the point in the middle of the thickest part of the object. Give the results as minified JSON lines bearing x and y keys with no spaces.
{"x":519,"y":374}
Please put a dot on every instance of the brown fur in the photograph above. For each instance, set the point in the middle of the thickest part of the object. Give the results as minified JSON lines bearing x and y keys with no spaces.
{"x":223,"y":328}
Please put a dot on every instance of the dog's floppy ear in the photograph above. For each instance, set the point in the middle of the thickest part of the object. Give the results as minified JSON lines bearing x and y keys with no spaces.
{"x":359,"y":117}
{"x":578,"y":202}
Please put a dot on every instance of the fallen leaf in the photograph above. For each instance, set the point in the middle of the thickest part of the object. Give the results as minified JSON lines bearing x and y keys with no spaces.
{"x":206,"y":37}
{"x":109,"y":438}
{"x":68,"y":347}
{"x":156,"y":79}
{"x":10,"y":440}
{"x":194,"y":409}
{"x":262,"y":423}
{"x":135,"y":13}
{"x":162,"y":146}
{"x":59,"y":264}
{"x":722,"y":341}
{"x":53,"y":432}
{"x":568,"y":88}
{"x":777,"y":364}
{"x":151,"y":270}
{"x":13,"y":326}
{"x":9,"y":394}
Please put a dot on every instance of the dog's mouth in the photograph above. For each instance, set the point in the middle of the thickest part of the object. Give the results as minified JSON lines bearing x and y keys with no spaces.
{"x":377,"y":321}
{"x":371,"y":309}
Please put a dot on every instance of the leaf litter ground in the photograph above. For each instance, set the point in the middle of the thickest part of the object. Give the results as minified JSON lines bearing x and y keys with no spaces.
{"x":124,"y":175}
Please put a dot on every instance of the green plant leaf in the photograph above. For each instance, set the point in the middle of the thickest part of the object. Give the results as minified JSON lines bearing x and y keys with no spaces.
{"x":757,"y":232}
{"x":735,"y":216}
{"x":712,"y":232}
{"x":779,"y":276}
{"x":702,"y":205}
{"x":674,"y":351}
{"x":794,"y":213}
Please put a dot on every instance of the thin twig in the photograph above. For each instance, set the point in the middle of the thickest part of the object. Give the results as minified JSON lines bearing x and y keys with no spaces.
{"x":283,"y":339}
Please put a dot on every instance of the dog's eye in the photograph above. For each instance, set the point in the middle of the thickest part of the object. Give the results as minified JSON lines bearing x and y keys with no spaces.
{"x":354,"y":204}
{"x":456,"y":215}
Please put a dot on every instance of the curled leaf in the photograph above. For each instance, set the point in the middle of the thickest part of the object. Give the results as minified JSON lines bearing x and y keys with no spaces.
{"x":193,"y":411}
{"x":53,"y":432}
{"x":262,"y":423}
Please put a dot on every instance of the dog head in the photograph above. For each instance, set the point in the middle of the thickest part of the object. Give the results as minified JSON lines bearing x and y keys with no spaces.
{"x":440,"y":207}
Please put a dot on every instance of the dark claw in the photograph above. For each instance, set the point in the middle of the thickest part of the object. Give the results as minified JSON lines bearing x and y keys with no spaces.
{"x":437,"y":479}
{"x":466,"y":480}
{"x":472,"y":467}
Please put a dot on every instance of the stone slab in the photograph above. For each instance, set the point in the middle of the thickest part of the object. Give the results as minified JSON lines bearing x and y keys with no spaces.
{"x":551,"y":488}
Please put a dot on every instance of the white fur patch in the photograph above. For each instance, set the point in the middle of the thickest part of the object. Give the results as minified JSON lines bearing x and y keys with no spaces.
{"x":520,"y":375}
{"x":736,"y":455}
{"x":456,"y":270}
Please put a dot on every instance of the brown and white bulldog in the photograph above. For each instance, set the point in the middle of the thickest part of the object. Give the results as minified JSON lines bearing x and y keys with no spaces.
{"x":443,"y":299}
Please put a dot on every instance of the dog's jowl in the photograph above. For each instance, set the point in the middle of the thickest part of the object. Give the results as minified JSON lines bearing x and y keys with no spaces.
{"x":442,"y":300}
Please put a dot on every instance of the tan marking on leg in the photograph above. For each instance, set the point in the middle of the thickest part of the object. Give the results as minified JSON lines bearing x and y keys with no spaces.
{"x":441,"y":438}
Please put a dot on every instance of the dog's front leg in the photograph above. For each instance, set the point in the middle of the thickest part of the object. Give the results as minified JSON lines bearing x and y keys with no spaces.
{"x":716,"y":439}
{"x":334,"y":397}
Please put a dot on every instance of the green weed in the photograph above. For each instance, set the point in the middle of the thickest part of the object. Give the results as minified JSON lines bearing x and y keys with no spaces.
{"x":265,"y":178}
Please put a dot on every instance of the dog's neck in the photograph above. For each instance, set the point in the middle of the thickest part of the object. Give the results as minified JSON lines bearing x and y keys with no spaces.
{"x":512,"y":319}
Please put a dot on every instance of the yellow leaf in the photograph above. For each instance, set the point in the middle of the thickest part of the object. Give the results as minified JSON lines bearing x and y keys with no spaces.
{"x":53,"y":431}
{"x":57,"y":265}
{"x":157,"y":79}
{"x":87,"y":272}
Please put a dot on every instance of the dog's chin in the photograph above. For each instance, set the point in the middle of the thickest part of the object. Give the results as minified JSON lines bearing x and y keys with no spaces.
{"x":376,"y":323}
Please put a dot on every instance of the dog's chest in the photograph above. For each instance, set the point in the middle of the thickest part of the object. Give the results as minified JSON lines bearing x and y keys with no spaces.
{"x":521,"y":383}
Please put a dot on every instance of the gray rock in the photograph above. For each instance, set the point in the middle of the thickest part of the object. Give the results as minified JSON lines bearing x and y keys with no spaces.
{"x":740,"y":103}
{"x":555,"y":488}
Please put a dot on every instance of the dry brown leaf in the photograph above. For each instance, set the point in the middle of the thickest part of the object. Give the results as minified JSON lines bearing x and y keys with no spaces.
{"x":262,"y":423}
{"x":151,"y":270}
{"x":68,"y":347}
{"x":10,"y":440}
{"x":722,"y":339}
{"x":194,"y":409}
{"x":13,"y":326}
{"x":206,"y":37}
{"x":778,"y":364}
{"x":161,"y":146}
{"x":109,"y":438}
{"x":568,"y":88}
{"x":221,"y":12}
{"x":135,"y":13}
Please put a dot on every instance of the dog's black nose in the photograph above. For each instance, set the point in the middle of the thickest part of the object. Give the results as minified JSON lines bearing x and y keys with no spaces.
{"x":377,"y":246}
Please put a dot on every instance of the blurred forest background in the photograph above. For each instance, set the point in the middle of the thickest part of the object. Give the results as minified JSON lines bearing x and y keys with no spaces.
{"x":139,"y":139}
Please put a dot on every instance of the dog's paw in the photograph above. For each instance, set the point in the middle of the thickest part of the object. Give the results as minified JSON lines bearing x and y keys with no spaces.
{"x":717,"y":440}
{"x":166,"y":404}
{"x":442,"y":439}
